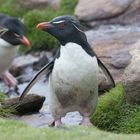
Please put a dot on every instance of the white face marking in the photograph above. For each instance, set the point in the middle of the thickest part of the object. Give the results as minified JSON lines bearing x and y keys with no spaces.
{"x":57,"y":22}
{"x":3,"y":30}
{"x":78,"y":28}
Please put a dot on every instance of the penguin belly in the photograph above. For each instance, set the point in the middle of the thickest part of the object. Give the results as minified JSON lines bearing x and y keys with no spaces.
{"x":7,"y":54}
{"x":74,"y":82}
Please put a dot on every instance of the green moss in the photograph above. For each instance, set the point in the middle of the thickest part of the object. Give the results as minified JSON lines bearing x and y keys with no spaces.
{"x":11,"y":7}
{"x":114,"y":114}
{"x":2,"y":96}
{"x":68,"y":6}
{"x":4,"y":111}
{"x":19,"y":131}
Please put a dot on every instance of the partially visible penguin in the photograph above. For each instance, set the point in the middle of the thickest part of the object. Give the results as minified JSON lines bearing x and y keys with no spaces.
{"x":73,"y":79}
{"x":12,"y":34}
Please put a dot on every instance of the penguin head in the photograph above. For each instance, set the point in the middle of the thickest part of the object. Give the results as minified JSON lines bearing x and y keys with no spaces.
{"x":12,"y":31}
{"x":64,"y":28}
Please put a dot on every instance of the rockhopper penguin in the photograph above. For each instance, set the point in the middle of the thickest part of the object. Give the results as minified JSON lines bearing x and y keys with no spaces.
{"x":12,"y":33}
{"x":73,"y":74}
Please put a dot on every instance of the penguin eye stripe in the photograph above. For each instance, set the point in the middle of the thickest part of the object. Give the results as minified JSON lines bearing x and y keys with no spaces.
{"x":3,"y":30}
{"x":77,"y":28}
{"x":16,"y":34}
{"x":57,"y":22}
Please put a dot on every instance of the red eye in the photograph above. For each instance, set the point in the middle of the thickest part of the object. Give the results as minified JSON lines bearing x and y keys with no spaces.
{"x":62,"y":25}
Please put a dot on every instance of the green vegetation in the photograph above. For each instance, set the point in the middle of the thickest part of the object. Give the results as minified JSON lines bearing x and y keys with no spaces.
{"x":4,"y":111}
{"x":2,"y":96}
{"x":11,"y":7}
{"x":19,"y":131}
{"x":114,"y":114}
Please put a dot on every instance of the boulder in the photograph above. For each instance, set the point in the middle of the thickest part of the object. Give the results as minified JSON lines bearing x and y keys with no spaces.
{"x":131,"y":76}
{"x":112,"y":44}
{"x":100,"y":9}
{"x":31,"y":103}
{"x":100,"y":12}
{"x":33,"y":4}
{"x":21,"y":62}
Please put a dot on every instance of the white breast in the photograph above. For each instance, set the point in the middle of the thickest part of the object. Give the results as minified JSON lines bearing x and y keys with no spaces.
{"x":7,"y":54}
{"x":74,"y":63}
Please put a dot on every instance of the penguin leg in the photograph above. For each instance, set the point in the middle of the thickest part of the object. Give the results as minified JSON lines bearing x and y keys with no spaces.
{"x":9,"y":79}
{"x":57,"y":123}
{"x":86,"y":120}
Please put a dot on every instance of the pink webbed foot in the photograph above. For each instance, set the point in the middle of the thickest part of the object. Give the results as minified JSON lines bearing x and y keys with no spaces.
{"x":9,"y":79}
{"x":86,"y":122}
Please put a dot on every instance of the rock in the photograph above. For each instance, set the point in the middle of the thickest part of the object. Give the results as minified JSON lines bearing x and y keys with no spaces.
{"x":121,"y":60}
{"x":8,"y":91}
{"x":26,"y":75}
{"x":100,"y":9}
{"x":21,"y":63}
{"x":131,"y":76}
{"x":33,"y":4}
{"x":104,"y":85}
{"x":99,"y":12}
{"x":24,"y":67}
{"x":42,"y":61}
{"x":112,"y":44}
{"x":31,"y":103}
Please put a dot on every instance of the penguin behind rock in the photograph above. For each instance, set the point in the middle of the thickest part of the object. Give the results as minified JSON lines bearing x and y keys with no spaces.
{"x":73,"y":79}
{"x":12,"y":33}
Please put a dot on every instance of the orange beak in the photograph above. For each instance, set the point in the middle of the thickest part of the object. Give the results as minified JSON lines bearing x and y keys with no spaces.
{"x":25,"y":41}
{"x":44,"y":25}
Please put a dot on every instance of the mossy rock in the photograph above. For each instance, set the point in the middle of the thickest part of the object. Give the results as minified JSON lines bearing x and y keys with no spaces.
{"x":114,"y":114}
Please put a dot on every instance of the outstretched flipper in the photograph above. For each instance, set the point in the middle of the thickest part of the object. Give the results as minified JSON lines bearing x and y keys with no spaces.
{"x":46,"y":69}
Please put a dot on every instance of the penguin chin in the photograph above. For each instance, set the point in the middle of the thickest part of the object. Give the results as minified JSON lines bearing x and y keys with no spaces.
{"x":6,"y":44}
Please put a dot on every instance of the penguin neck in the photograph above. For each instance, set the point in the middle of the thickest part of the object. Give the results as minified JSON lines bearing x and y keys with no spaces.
{"x":79,"y":39}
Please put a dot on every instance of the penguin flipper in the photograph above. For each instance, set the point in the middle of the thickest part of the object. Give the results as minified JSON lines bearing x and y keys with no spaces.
{"x":46,"y":69}
{"x":106,"y":72}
